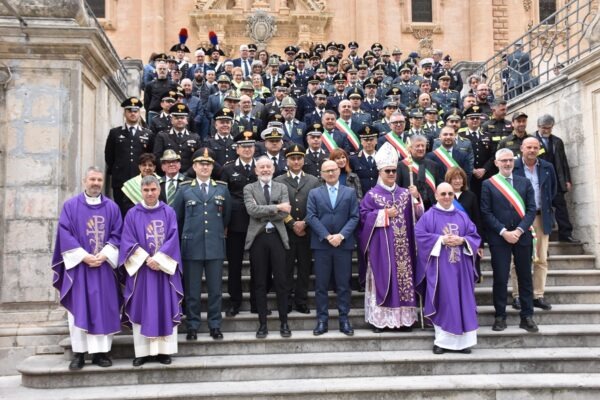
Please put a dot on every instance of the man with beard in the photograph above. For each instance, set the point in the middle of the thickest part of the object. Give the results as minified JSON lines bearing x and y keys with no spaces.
{"x":156,"y":90}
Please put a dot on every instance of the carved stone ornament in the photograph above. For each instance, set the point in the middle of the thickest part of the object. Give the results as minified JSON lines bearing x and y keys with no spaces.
{"x":261,"y":27}
{"x":527,"y":5}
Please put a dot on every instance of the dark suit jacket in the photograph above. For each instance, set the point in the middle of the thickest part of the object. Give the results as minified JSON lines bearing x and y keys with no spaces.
{"x":427,"y":194}
{"x":497,"y":213}
{"x":470,"y":203}
{"x":461,"y":156}
{"x":547,"y":182}
{"x":555,"y":154}
{"x":325,"y":220}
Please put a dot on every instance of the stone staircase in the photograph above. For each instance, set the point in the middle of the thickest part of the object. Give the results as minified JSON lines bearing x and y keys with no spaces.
{"x":561,"y":361}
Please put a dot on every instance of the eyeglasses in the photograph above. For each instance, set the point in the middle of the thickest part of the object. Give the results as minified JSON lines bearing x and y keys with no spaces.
{"x":389,"y":171}
{"x":329,"y":171}
{"x":447,"y":194}
{"x":397,"y":122}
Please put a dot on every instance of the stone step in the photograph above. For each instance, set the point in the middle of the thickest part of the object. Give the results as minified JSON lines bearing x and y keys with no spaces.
{"x":303,"y":341}
{"x":51,"y":371}
{"x":483,"y":295}
{"x":539,"y":386}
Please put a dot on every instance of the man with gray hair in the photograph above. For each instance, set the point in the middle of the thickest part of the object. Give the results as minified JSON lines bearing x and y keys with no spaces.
{"x":553,"y":151}
{"x":85,"y":257}
{"x":508,"y":210}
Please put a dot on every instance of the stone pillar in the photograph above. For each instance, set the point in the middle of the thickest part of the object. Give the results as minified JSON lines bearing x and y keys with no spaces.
{"x":67,"y":83}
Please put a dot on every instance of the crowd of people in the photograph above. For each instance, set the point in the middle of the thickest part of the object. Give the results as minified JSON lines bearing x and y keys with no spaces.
{"x":300,"y":163}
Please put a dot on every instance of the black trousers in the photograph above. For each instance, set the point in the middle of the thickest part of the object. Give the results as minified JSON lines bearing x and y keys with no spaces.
{"x":235,"y":257}
{"x":299,"y":258}
{"x":267,"y":257}
{"x":501,"y":258}
{"x":561,"y":213}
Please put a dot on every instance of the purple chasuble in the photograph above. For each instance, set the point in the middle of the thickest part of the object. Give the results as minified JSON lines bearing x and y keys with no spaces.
{"x":152,"y":298}
{"x":90,"y":294}
{"x":389,"y":250}
{"x":447,"y":281}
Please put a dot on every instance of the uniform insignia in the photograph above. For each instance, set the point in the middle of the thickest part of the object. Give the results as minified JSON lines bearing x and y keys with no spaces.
{"x":121,"y":137}
{"x":221,"y":183}
{"x":235,"y":174}
{"x":219,"y":197}
{"x":510,"y":143}
{"x":496,"y":138}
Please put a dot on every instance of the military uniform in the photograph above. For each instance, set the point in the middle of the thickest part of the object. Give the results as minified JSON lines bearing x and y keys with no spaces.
{"x":513,"y":142}
{"x":223,"y":147}
{"x":312,"y":162}
{"x":185,"y":143}
{"x":160,"y":123}
{"x":497,"y":128}
{"x":365,"y":169}
{"x":484,"y":150}
{"x":446,"y":100}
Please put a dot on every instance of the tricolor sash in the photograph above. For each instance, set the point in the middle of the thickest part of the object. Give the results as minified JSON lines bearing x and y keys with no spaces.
{"x":429,"y":179}
{"x":398,"y":144}
{"x":328,"y":141}
{"x":445,"y":157}
{"x":515,"y":200}
{"x":346,"y":130}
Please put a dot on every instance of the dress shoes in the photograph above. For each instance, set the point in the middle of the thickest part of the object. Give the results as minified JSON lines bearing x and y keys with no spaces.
{"x":320,"y":329}
{"x":438,"y":350}
{"x":569,"y":239}
{"x":499,"y":324}
{"x":77,"y":362}
{"x":302,"y":309}
{"x":405,"y":329}
{"x":542,"y":303}
{"x":139,"y":361}
{"x":528,"y":324}
{"x":216,"y":334}
{"x":516,"y":303}
{"x":101,"y":360}
{"x":232,"y":311}
{"x":346,"y":328}
{"x":192,"y":334}
{"x":164,"y":359}
{"x":284,"y":330}
{"x":262,"y":331}
{"x":465,"y":351}
{"x":377,"y":330}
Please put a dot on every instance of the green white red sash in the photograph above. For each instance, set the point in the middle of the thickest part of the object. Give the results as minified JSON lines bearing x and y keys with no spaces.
{"x":398,"y":144}
{"x":445,"y":157}
{"x":429,"y":179}
{"x":346,"y":130}
{"x":328,"y":141}
{"x":515,"y":200}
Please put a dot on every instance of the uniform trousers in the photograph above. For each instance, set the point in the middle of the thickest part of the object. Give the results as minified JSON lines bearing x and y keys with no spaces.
{"x":192,"y":278}
{"x":299,"y":258}
{"x":501,"y":258}
{"x":267,"y":257}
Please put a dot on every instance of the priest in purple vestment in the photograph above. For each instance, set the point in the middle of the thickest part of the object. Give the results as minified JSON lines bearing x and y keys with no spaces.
{"x":151,"y":264}
{"x":84,"y":262}
{"x":447,"y":242}
{"x":386,"y":241}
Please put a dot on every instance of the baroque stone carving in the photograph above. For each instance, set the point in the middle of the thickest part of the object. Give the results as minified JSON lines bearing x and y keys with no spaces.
{"x":527,"y":5}
{"x":261,"y":27}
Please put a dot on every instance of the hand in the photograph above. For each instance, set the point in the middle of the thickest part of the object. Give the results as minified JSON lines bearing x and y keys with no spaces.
{"x":478,"y":173}
{"x":92,"y":261}
{"x":392,"y":212}
{"x":453,"y":240}
{"x":285,"y":207}
{"x":225,"y":232}
{"x":480,"y":252}
{"x":512,"y":237}
{"x":299,"y":228}
{"x":412,"y":189}
{"x":569,"y":186}
{"x":152,"y":264}
{"x":335,"y":240}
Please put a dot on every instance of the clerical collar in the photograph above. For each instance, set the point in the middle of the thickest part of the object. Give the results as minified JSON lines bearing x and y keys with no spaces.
{"x":92,"y":201}
{"x":386,"y":187}
{"x":451,"y":208}
{"x":147,"y":207}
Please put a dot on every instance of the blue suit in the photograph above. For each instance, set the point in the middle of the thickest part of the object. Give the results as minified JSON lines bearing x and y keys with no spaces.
{"x":324,"y":220}
{"x":498,"y":214}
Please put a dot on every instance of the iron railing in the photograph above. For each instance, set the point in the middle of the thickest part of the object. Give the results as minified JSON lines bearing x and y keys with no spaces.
{"x":539,"y":55}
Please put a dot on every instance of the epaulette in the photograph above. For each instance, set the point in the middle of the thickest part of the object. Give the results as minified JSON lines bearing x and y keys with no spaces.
{"x":221,"y":182}
{"x":462,"y":129}
{"x":229,"y":162}
{"x":186,"y":182}
{"x":162,"y":179}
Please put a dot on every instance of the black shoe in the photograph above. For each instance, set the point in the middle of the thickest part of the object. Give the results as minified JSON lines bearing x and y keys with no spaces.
{"x":569,"y":239}
{"x":255,"y":311}
{"x":499,"y":324}
{"x":320,"y":329}
{"x":376,"y":329}
{"x":284,"y":330}
{"x":192,"y":334}
{"x":346,"y":328}
{"x":465,"y":351}
{"x":302,"y":309}
{"x":101,"y":360}
{"x":139,"y":361}
{"x":262,"y":331}
{"x":164,"y":359}
{"x":541,"y":303}
{"x":528,"y":324}
{"x":516,"y":304}
{"x":405,"y":329}
{"x":216,"y":334}
{"x":77,"y":362}
{"x":232,"y":311}
{"x":438,"y":350}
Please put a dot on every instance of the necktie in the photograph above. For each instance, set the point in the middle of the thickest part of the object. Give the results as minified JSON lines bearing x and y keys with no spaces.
{"x":171,"y":191}
{"x":509,"y":180}
{"x":246,"y":69}
{"x":132,"y":131}
{"x":332,"y":195}
{"x":370,"y":160}
{"x":289,"y":128}
{"x":267,"y":194}
{"x":247,"y":169}
{"x":297,"y":179}
{"x":274,"y":159}
{"x":204,"y":191}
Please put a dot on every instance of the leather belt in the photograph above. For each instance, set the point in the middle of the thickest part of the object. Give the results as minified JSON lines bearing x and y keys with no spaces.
{"x":268,"y":230}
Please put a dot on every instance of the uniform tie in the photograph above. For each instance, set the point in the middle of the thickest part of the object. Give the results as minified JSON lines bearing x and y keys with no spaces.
{"x":247,"y":169}
{"x":171,"y":191}
{"x":204,"y":191}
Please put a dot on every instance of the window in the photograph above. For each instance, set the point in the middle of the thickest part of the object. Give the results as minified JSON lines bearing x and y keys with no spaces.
{"x":422,"y":11}
{"x":98,"y":8}
{"x":547,"y":8}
